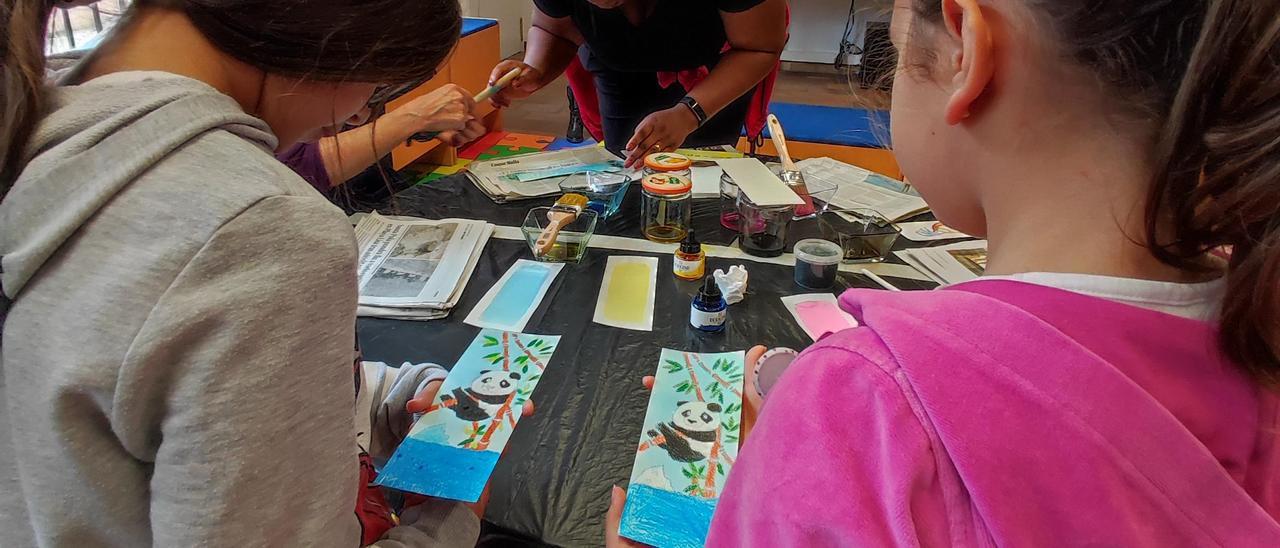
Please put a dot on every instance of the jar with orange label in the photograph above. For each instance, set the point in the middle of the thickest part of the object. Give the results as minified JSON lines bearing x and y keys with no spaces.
{"x":667,"y":207}
{"x":668,"y":162}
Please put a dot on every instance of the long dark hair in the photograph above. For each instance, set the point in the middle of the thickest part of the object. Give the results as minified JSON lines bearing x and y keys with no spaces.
{"x":371,"y":41}
{"x":1206,"y":74}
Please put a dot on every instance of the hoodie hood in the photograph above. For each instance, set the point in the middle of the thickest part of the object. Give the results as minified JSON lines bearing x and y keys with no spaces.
{"x":97,"y":138}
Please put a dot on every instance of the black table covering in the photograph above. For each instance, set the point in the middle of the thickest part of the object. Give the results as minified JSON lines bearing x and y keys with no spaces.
{"x":553,"y":481}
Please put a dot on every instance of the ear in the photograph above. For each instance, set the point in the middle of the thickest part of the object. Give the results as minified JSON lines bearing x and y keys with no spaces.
{"x":681,"y":403}
{"x":974,"y":64}
{"x":714,"y":407}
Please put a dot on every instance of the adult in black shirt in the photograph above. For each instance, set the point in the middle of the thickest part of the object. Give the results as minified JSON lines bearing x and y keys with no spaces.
{"x":626,"y":43}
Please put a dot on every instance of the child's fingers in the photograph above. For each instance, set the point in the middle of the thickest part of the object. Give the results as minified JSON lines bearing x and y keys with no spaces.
{"x":422,"y":402}
{"x":528,"y":409}
{"x":647,"y":381}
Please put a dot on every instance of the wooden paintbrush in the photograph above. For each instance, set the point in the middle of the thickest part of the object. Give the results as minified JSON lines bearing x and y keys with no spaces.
{"x":567,"y":208}
{"x":481,"y":97}
{"x":790,"y":173}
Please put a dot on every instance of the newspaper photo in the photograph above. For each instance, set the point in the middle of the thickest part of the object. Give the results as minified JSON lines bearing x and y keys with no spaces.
{"x":417,"y":263}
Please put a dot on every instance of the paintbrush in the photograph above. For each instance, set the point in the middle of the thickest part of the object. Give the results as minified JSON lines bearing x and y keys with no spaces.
{"x":567,"y":208}
{"x":481,"y":97}
{"x":790,"y":174}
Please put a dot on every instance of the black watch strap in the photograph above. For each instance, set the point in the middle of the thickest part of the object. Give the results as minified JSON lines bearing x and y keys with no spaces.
{"x":695,"y":108}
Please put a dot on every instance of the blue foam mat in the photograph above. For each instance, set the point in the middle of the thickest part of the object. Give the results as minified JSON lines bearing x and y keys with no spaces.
{"x":472,"y":25}
{"x":855,"y":127}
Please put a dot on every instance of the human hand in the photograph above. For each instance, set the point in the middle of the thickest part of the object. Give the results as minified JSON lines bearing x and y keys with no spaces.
{"x":617,"y":500}
{"x":448,"y":111}
{"x":751,"y":401}
{"x":662,"y":131}
{"x":422,"y":402}
{"x":529,"y":81}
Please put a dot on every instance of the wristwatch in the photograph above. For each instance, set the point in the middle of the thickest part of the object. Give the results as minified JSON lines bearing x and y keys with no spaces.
{"x":695,"y":108}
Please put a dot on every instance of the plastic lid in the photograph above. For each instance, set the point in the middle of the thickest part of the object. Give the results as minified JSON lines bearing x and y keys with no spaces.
{"x":666,"y":184}
{"x":667,"y":161}
{"x":819,"y":252}
{"x":690,"y":244}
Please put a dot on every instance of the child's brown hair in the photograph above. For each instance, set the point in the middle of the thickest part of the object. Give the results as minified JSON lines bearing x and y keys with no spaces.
{"x":1205,"y":76}
{"x":368,"y":41}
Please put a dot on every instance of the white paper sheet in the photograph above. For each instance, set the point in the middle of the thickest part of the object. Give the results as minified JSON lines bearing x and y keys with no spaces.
{"x":930,"y":231}
{"x":949,"y":264}
{"x":761,"y":185}
{"x":851,"y":187}
{"x":509,"y":308}
{"x":827,"y":318}
{"x":706,"y":181}
{"x":624,"y":300}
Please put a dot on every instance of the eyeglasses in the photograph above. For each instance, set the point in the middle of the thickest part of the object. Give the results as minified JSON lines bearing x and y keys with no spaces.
{"x":387,"y":92}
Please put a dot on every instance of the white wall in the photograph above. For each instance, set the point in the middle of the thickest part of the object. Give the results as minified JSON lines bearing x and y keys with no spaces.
{"x":818,"y":25}
{"x":512,"y":15}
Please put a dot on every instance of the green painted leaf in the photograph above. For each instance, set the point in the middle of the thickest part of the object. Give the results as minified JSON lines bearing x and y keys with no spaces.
{"x":490,"y":341}
{"x":686,"y":473}
{"x":720,"y":468}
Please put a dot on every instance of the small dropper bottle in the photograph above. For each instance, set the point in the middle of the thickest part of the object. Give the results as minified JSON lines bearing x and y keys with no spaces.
{"x":709,"y":310}
{"x":690,"y":262}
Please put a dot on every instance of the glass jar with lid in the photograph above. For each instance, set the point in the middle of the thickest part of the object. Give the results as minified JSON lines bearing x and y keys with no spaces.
{"x":667,"y":207}
{"x":668,"y":162}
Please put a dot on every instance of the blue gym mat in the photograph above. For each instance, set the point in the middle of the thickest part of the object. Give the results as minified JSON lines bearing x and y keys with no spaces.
{"x":853,"y":127}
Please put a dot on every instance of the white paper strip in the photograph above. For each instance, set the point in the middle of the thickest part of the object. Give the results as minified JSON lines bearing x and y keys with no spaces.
{"x":641,"y":245}
{"x":761,"y":185}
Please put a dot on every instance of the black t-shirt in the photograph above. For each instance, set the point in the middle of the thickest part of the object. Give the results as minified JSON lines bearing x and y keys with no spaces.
{"x":679,"y":35}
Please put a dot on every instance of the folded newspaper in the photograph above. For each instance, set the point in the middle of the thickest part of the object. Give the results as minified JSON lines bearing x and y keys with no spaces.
{"x":949,"y":264}
{"x":538,"y":174}
{"x":416,"y":269}
{"x":850,"y":187}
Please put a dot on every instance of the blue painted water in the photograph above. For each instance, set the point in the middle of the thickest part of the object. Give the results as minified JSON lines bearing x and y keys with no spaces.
{"x":438,"y":470}
{"x":516,"y":296}
{"x":665,"y":519}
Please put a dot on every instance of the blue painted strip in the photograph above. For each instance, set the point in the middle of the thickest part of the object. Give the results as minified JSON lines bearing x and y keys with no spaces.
{"x":438,"y":470}
{"x":517,"y":296}
{"x":662,"y":518}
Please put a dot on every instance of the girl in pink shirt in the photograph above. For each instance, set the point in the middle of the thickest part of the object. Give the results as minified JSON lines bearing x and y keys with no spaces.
{"x":1110,"y":382}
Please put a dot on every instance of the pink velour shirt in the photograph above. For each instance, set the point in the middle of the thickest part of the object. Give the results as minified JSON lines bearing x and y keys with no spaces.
{"x":1000,"y":413}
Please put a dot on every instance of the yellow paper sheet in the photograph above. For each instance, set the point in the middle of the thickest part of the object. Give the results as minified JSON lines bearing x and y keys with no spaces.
{"x":626,"y":294}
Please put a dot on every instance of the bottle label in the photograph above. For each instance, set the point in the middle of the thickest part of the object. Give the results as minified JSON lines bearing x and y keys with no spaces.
{"x":688,"y":269}
{"x":702,"y":318}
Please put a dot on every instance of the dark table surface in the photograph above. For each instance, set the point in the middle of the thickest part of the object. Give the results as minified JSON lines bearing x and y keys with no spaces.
{"x":553,"y":481}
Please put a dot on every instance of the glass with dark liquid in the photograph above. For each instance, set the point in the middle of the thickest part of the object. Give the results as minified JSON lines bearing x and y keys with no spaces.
{"x":762,"y":230}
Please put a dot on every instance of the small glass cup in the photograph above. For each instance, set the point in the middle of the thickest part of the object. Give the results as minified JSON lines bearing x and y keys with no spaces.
{"x":865,"y":235}
{"x":604,"y":191}
{"x":728,"y":202}
{"x":762,"y":230}
{"x":571,"y":243}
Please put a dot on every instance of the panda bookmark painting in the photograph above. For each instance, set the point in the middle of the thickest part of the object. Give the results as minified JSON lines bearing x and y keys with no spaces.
{"x":452,"y":449}
{"x":687,"y":446}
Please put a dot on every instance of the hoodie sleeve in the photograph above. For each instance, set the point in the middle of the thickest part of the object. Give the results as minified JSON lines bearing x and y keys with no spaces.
{"x":836,"y":457}
{"x":243,"y":374}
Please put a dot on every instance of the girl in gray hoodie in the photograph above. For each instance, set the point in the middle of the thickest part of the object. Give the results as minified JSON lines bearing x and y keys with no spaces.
{"x":179,"y":307}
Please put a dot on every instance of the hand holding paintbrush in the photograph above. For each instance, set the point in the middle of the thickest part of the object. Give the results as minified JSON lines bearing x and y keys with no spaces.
{"x":479,"y":98}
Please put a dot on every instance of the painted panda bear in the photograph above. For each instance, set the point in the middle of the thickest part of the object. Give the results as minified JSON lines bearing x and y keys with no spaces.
{"x":691,"y":433}
{"x":481,"y":400}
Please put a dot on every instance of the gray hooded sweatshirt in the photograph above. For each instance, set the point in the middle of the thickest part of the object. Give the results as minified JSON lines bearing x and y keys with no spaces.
{"x":178,"y":354}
